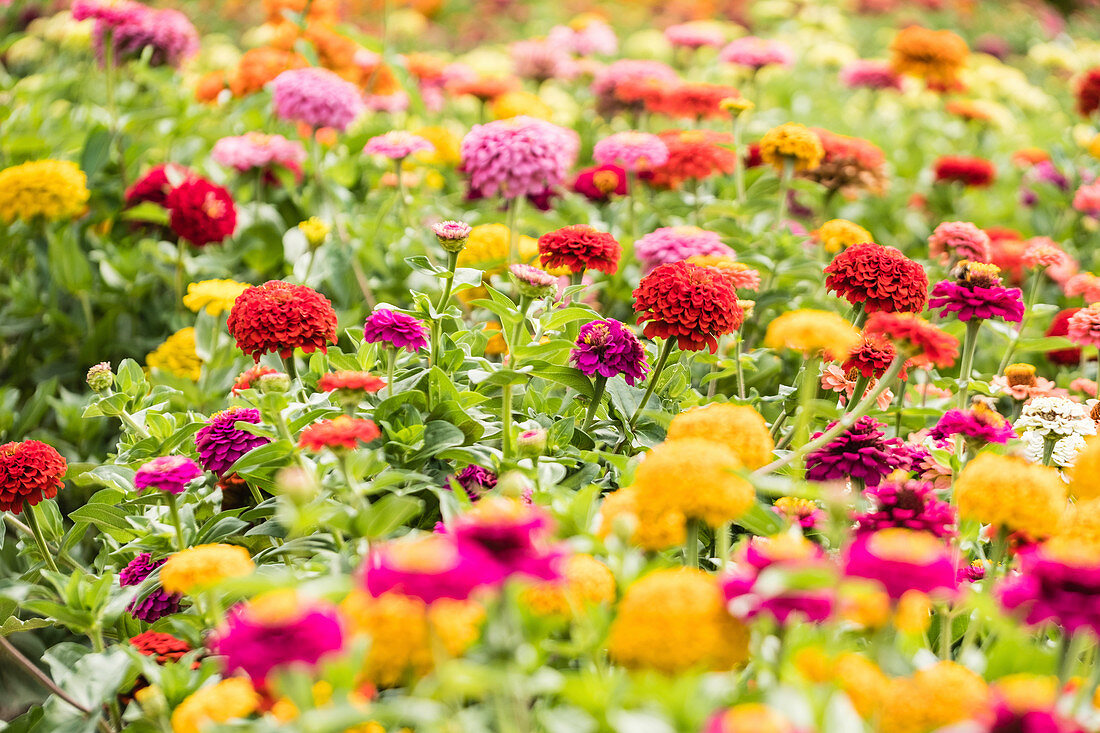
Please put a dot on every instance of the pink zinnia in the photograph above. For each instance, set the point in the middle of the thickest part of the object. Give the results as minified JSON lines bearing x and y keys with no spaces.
{"x":625,"y":73}
{"x":317,"y":97}
{"x":674,"y":244}
{"x":834,"y":379}
{"x":902,"y":560}
{"x":634,"y":151}
{"x":977,"y":426}
{"x":397,"y":145}
{"x":595,"y":38}
{"x":909,"y":504}
{"x":167,"y":473}
{"x":695,"y":34}
{"x":748,"y":598}
{"x":959,"y":240}
{"x":1084,"y":326}
{"x":541,"y":60}
{"x":870,"y":75}
{"x":756,"y":53}
{"x":516,"y":536}
{"x":1085,"y":284}
{"x":520,"y":156}
{"x":429,"y":568}
{"x":395,"y":330}
{"x":111,"y":12}
{"x":1051,"y":587}
{"x":257,"y":151}
{"x":1045,"y":252}
{"x":977,"y":293}
{"x":1087,"y":199}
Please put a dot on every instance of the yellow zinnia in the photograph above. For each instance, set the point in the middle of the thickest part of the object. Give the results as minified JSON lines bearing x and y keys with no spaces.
{"x":1010,"y":492}
{"x":812,"y":332}
{"x":514,"y":104}
{"x":791,"y":143}
{"x":177,"y":355}
{"x":738,"y":427}
{"x":586,"y":581}
{"x":199,"y":567}
{"x":838,"y":234}
{"x":216,"y":296}
{"x":50,"y":189}
{"x":220,"y":703}
{"x":695,"y":477}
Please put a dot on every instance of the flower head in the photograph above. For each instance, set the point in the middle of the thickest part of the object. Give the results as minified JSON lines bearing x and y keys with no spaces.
{"x":861,"y":452}
{"x":839,"y":234}
{"x":691,"y":100}
{"x":202,"y":566}
{"x":1009,"y":492}
{"x":976,"y":172}
{"x":866,"y":74}
{"x":256,"y":151}
{"x":394,"y":330}
{"x":452,"y":235}
{"x":881,"y":278}
{"x":475,"y":480}
{"x":585,"y":582}
{"x":100,"y":377}
{"x":52,"y":190}
{"x":935,"y":56}
{"x":167,"y":473}
{"x":519,"y":156}
{"x":794,"y":144}
{"x":977,"y":293}
{"x":696,"y":478}
{"x":278,"y":317}
{"x":959,"y":240}
{"x":913,"y":334}
{"x":429,"y":568}
{"x":634,"y":151}
{"x":1088,"y":92}
{"x":608,"y":348}
{"x":676,"y":620}
{"x":872,"y":357}
{"x":741,"y":275}
{"x":902,"y":560}
{"x":738,"y":427}
{"x":749,"y":716}
{"x":163,"y":647}
{"x":201,"y":212}
{"x":1083,"y":327}
{"x":340,"y":433}
{"x":578,"y":248}
{"x":221,"y":443}
{"x":674,"y":244}
{"x":167,"y":33}
{"x":696,"y":34}
{"x":215,"y":296}
{"x":316,"y":97}
{"x":315,"y":231}
{"x":1058,"y":581}
{"x":978,"y":426}
{"x":533,"y":282}
{"x":812,"y":332}
{"x":694,"y":155}
{"x":158,"y":603}
{"x":514,"y":534}
{"x":624,"y":512}
{"x":248,"y":378}
{"x":612,"y":82}
{"x":909,"y":504}
{"x":695,"y":305}
{"x":30,"y":471}
{"x":218,"y":703}
{"x":397,"y":145}
{"x":177,"y":355}
{"x":749,"y":594}
{"x":756,"y":53}
{"x":599,"y":183}
{"x":350,"y":385}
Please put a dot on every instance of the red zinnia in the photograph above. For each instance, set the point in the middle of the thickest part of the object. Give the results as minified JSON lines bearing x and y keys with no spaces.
{"x":341,"y":432}
{"x":1088,"y":92}
{"x":248,"y":377}
{"x":690,"y":303}
{"x":967,"y":171}
{"x":931,"y":344}
{"x":156,"y":184}
{"x":872,"y":357}
{"x":600,"y":182}
{"x":165,"y":647}
{"x":29,"y":472}
{"x":1007,"y":247}
{"x":691,"y":100}
{"x":694,"y":155}
{"x":579,"y":248}
{"x":351,"y":381}
{"x":280,"y":317}
{"x":1060,"y":327}
{"x":881,"y":278}
{"x":201,"y":212}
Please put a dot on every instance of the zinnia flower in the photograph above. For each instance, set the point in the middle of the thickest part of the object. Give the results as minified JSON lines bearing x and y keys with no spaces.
{"x":342,"y":432}
{"x":748,"y":596}
{"x":278,"y":317}
{"x":959,"y":240}
{"x":452,"y":235}
{"x":585,"y":582}
{"x":861,"y":452}
{"x":794,"y":144}
{"x":201,"y":212}
{"x":850,"y":165}
{"x":202,"y":566}
{"x":155,"y":185}
{"x":908,"y":504}
{"x":935,"y":56}
{"x":519,"y":156}
{"x":218,"y":703}
{"x":694,"y":155}
{"x":514,"y":534}
{"x":1057,"y":582}
{"x":48,"y":189}
{"x":1009,"y":492}
{"x":276,"y":630}
{"x":608,"y":348}
{"x":1055,"y":417}
{"x":578,"y":248}
{"x":350,"y":382}
{"x":429,"y":568}
{"x":158,"y":603}
{"x":30,"y":471}
{"x":976,"y":172}
{"x":611,"y":79}
{"x":692,"y":304}
{"x":977,"y":293}
{"x":838,"y":234}
{"x":1083,"y":327}
{"x":220,"y":443}
{"x":634,"y":151}
{"x":738,"y":427}
{"x":167,"y":473}
{"x":177,"y":355}
{"x":394,"y":330}
{"x":802,"y":512}
{"x":167,"y":32}
{"x":756,"y":53}
{"x":691,"y":100}
{"x":1088,"y":92}
{"x":256,"y":151}
{"x":247,"y":378}
{"x":695,"y":34}
{"x":869,"y":74}
{"x":397,"y":145}
{"x":599,"y":183}
{"x":694,"y":477}
{"x":475,"y":480}
{"x":812,"y":332}
{"x":880,"y":278}
{"x":163,"y":647}
{"x":902,"y":560}
{"x":316,"y":97}
{"x":872,"y":357}
{"x":749,"y":716}
{"x":214,"y":296}
{"x":912,"y":333}
{"x":675,"y":244}
{"x":741,"y":275}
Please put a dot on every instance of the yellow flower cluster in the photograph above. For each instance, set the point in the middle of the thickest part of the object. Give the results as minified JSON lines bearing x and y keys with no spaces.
{"x":739,"y":427}
{"x":204,"y":565}
{"x":516,"y":103}
{"x":1084,"y":477}
{"x":216,"y":296}
{"x":447,"y":146}
{"x":649,"y":528}
{"x":587,"y":581}
{"x":220,"y":703}
{"x":315,"y":231}
{"x":812,"y":332}
{"x":676,"y":620}
{"x":791,"y":143}
{"x":737,"y":105}
{"x":402,"y":632}
{"x":1081,"y":524}
{"x":694,"y":477}
{"x":838,"y":234}
{"x":488,"y":248}
{"x":177,"y":355}
{"x":50,"y":189}
{"x":1010,"y":492}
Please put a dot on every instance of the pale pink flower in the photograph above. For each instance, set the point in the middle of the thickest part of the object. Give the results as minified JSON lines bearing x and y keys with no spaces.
{"x":1084,"y":326}
{"x":397,"y":145}
{"x":1085,"y":284}
{"x":870,"y":75}
{"x":930,"y":391}
{"x":756,"y":53}
{"x":1081,"y":384}
{"x":1045,"y":252}
{"x":257,"y":151}
{"x":959,"y":240}
{"x":1041,"y":388}
{"x":1087,"y":199}
{"x":695,"y":34}
{"x":834,"y":379}
{"x":396,"y":102}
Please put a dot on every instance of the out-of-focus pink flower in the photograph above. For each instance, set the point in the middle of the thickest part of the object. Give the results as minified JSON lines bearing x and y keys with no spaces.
{"x":397,"y":145}
{"x":1041,"y":388}
{"x":1045,"y":252}
{"x":1081,"y":384}
{"x":1085,"y":284}
{"x":1087,"y":199}
{"x":317,"y":97}
{"x":871,"y":75}
{"x":1084,"y":326}
{"x":593,"y":38}
{"x":519,"y":156}
{"x":931,"y":391}
{"x":695,"y":34}
{"x":397,"y":101}
{"x":756,"y":53}
{"x":834,"y":379}
{"x":959,"y":240}
{"x":257,"y":151}
{"x":542,"y":60}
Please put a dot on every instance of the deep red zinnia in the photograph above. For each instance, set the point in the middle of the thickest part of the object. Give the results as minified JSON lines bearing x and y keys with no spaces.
{"x":201,"y":212}
{"x":693,"y":304}
{"x":156,"y":184}
{"x":29,"y":472}
{"x":931,"y":344}
{"x":164,"y":647}
{"x":872,"y":357}
{"x":881,"y":278}
{"x":279,"y":317}
{"x":1060,"y":327}
{"x":579,"y":248}
{"x":967,"y":171}
{"x":341,"y":432}
{"x":1088,"y":92}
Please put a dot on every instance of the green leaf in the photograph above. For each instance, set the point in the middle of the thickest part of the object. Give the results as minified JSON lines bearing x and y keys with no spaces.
{"x":761,"y":521}
{"x":108,"y":519}
{"x":387,"y":514}
{"x":569,"y":376}
{"x":97,"y":149}
{"x":13,"y":625}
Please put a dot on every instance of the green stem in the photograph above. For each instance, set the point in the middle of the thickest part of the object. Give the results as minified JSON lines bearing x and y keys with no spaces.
{"x":513,"y":229}
{"x":691,"y":544}
{"x":723,"y":541}
{"x":630,"y":201}
{"x":452,"y":263}
{"x":173,"y":509}
{"x":784,"y":184}
{"x":524,"y":304}
{"x":39,"y":538}
{"x":41,"y":677}
{"x":807,"y":394}
{"x":291,"y":367}
{"x":129,"y":421}
{"x":1048,"y":449}
{"x":738,"y":167}
{"x":666,"y":350}
{"x":599,"y":384}
{"x":860,"y":389}
{"x":737,"y":362}
{"x":181,"y":251}
{"x":391,"y":368}
{"x":506,"y":423}
{"x":946,"y":627}
{"x":969,"y":347}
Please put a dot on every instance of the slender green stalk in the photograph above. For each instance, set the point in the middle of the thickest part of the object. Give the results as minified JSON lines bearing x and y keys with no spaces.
{"x":181,"y":251}
{"x":174,"y":511}
{"x":391,"y":368}
{"x":39,"y":538}
{"x":448,"y":283}
{"x":1048,"y":449}
{"x":969,"y":346}
{"x":506,"y":448}
{"x":807,"y":394}
{"x":784,"y":185}
{"x":857,"y":393}
{"x":723,"y":542}
{"x":947,"y":622}
{"x":109,"y":76}
{"x":691,"y":544}
{"x":737,"y":362}
{"x":524,"y":304}
{"x":599,"y":385}
{"x":513,"y":229}
{"x":660,"y":367}
{"x":738,"y":167}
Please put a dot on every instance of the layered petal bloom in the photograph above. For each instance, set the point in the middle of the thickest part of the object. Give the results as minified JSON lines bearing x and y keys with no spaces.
{"x":862,"y":452}
{"x":578,"y":248}
{"x":167,"y":473}
{"x":158,"y":603}
{"x":748,"y":595}
{"x":675,"y":244}
{"x":220,"y":442}
{"x":756,"y":53}
{"x":881,"y":278}
{"x":278,"y":317}
{"x":317,"y":97}
{"x":201,"y":212}
{"x":519,"y":156}
{"x":429,"y":568}
{"x":1057,"y":582}
{"x":257,"y":151}
{"x":695,"y":305}
{"x":30,"y":471}
{"x":908,"y":504}
{"x":634,"y":151}
{"x":608,"y":348}
{"x":395,"y":330}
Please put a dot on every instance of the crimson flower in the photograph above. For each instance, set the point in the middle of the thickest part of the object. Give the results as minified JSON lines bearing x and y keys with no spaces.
{"x":278,"y":317}
{"x":201,"y":212}
{"x":29,"y":472}
{"x":579,"y":248}
{"x":693,"y":304}
{"x":881,"y":278}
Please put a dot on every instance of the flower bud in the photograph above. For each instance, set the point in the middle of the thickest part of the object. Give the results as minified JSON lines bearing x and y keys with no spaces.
{"x":452,"y":235}
{"x":315,"y":230}
{"x":533,"y":282}
{"x":297,"y":484}
{"x":531,"y":443}
{"x":276,"y":383}
{"x":100,"y":377}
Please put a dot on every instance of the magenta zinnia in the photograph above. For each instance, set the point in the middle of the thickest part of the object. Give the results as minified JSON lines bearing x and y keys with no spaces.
{"x":861,"y":452}
{"x":220,"y":443}
{"x":608,"y":348}
{"x":977,"y":293}
{"x":167,"y":473}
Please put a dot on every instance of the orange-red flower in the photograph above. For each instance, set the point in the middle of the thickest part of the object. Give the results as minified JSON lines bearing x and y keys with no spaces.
{"x":351,"y":381}
{"x":693,"y":304}
{"x":881,"y":278}
{"x":579,"y":248}
{"x":341,"y":432}
{"x":690,"y":100}
{"x":931,"y":344}
{"x":967,"y":171}
{"x":279,"y":317}
{"x":248,"y":377}
{"x":29,"y":472}
{"x":694,"y":155}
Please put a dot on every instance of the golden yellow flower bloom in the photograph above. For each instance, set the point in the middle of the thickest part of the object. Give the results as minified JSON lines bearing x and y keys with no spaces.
{"x":497,"y":345}
{"x":814,"y":664}
{"x":1023,"y":692}
{"x":812,"y":332}
{"x":935,"y":56}
{"x":791,"y":143}
{"x":676,"y":620}
{"x":738,"y":427}
{"x":838,"y":234}
{"x":862,"y":681}
{"x":487,"y":248}
{"x":587,"y":581}
{"x":514,"y":104}
{"x":177,"y":355}
{"x":1084,"y":476}
{"x":1081,"y":523}
{"x":216,"y":296}
{"x":403,"y":629}
{"x":865,"y":604}
{"x":1010,"y":492}
{"x":755,"y":717}
{"x":914,"y":613}
{"x":651,"y":529}
{"x":448,"y":146}
{"x":737,"y":105}
{"x":1094,"y":146}
{"x":50,"y":189}
{"x":204,"y":565}
{"x":229,"y":699}
{"x":933,"y":698}
{"x":315,"y":230}
{"x":695,"y":477}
